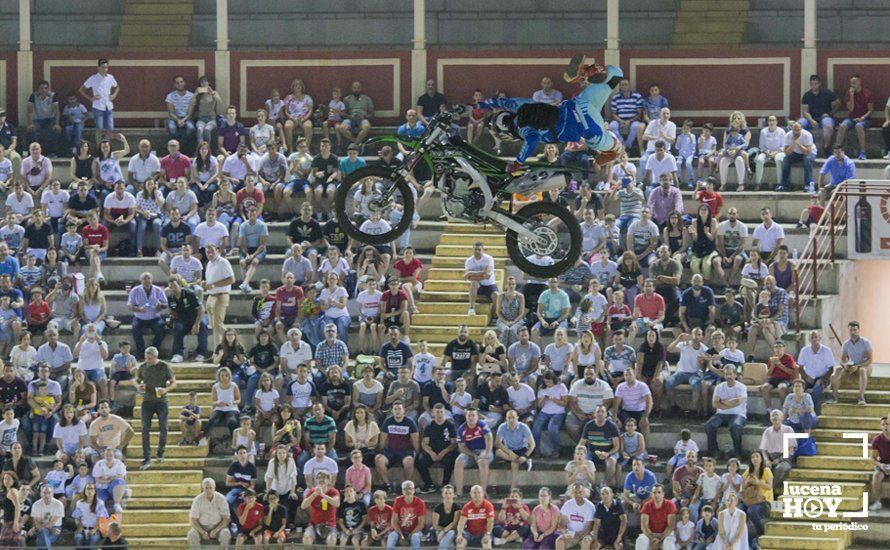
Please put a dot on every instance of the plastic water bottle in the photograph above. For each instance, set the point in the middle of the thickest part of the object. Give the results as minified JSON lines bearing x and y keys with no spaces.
{"x":794,"y":254}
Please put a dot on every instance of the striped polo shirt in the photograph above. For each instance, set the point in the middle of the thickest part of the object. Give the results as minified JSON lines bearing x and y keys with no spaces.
{"x":626,"y":107}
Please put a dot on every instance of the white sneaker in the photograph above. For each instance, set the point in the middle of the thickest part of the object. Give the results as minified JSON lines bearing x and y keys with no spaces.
{"x":887,"y":156}
{"x":245,"y":288}
{"x":176,"y":359}
{"x":498,"y":541}
{"x":200,"y":358}
{"x":471,"y":311}
{"x":876,"y":506}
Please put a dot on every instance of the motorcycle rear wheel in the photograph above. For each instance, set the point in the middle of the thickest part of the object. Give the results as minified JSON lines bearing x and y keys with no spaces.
{"x":560,"y":239}
{"x":351,"y":220}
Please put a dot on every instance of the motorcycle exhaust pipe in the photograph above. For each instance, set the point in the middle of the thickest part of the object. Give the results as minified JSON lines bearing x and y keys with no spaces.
{"x":537,"y":181}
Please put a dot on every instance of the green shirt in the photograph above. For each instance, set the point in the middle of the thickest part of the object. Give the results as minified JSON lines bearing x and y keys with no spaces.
{"x":154,"y":376}
{"x":361,"y":105}
{"x":553,"y":304}
{"x":319,"y":431}
{"x":673,"y":268}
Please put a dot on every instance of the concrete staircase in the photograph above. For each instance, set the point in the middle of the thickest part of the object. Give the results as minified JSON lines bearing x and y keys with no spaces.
{"x":157,"y":513}
{"x":444,"y":300}
{"x":156,"y":24}
{"x":839,"y":461}
{"x":710,"y":23}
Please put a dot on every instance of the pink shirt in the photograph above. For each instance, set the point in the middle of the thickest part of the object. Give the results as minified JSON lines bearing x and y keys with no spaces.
{"x":544,"y":516}
{"x":358,"y":477}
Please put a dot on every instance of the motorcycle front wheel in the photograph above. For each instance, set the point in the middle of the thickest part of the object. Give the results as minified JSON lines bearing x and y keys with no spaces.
{"x":373,"y":206}
{"x":559,"y":237}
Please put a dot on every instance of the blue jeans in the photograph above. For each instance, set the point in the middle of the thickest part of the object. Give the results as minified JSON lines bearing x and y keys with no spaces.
{"x":756,"y":513}
{"x":553,"y":423}
{"x":342,"y":325}
{"x":82,"y":540}
{"x":581,"y":158}
{"x":688,"y":163}
{"x":447,"y":540}
{"x":156,"y":325}
{"x":29,"y":429}
{"x":623,"y":223}
{"x":736,"y":424}
{"x":232,"y":497}
{"x":180,"y":329}
{"x":45,"y":538}
{"x":678,"y":378}
{"x":204,"y":196}
{"x":73,"y":133}
{"x":795,"y":158}
{"x":313,"y":330}
{"x":180,"y":134}
{"x":142,"y":227}
{"x":392,"y":540}
{"x":104,"y":119}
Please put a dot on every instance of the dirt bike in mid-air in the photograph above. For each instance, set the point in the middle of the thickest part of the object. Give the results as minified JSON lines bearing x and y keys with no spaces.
{"x":375,"y":204}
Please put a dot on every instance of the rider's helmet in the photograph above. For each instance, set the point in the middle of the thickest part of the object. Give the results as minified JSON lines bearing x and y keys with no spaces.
{"x":503,"y":124}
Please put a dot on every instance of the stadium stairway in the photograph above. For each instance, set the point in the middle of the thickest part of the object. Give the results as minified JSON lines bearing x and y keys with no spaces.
{"x":156,"y":24}
{"x":710,"y":23}
{"x":157,"y":512}
{"x":444,"y":299}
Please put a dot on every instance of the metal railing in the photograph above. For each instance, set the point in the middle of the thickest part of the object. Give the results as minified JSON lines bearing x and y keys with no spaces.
{"x":819,"y":254}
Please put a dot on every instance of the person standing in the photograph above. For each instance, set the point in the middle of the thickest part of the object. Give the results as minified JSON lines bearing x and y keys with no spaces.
{"x":103,"y":90}
{"x":219,"y":278}
{"x":155,"y":379}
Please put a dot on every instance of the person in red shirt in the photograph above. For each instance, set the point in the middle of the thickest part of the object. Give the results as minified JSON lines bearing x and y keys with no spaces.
{"x":394,"y":307}
{"x":512,"y":520}
{"x":174,"y":165}
{"x":860,"y":105}
{"x":649,"y":309}
{"x":380,"y":518}
{"x":39,"y":312}
{"x":880,"y":457}
{"x":812,"y":213}
{"x":657,"y":519}
{"x":476,"y":521}
{"x":706,"y":194}
{"x":249,"y":196}
{"x":409,"y":269}
{"x":287,"y":305}
{"x":250,"y":518}
{"x":322,"y":502}
{"x":782,"y":370}
{"x":95,"y":245}
{"x":408,"y":513}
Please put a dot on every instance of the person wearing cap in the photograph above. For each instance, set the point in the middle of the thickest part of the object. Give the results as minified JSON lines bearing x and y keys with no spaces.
{"x":103,"y":90}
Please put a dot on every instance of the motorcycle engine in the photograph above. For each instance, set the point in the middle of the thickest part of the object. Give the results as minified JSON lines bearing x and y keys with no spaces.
{"x":459,"y":201}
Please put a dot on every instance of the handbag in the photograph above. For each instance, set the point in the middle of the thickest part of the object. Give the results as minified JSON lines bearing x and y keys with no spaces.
{"x":806,"y":447}
{"x":751,"y":495}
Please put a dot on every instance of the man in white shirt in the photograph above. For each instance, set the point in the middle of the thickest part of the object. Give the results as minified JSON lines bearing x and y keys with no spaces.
{"x":119,"y":212}
{"x":730,"y":404}
{"x":521,"y":396}
{"x":817,"y":364}
{"x":211,"y":232}
{"x":799,"y":148}
{"x":239,"y":164}
{"x":661,"y":129}
{"x":772,"y":443}
{"x":547,"y":94}
{"x":142,"y":166}
{"x":772,"y":148}
{"x":692,"y":351}
{"x":293,"y":352}
{"x":320,"y":462}
{"x":479,"y":271}
{"x":584,"y":397}
{"x":103,"y":89}
{"x":209,"y":516}
{"x":768,"y":236}
{"x":661,"y":162}
{"x":46,"y":518}
{"x":179,"y":110}
{"x":217,"y":287}
{"x":577,"y":517}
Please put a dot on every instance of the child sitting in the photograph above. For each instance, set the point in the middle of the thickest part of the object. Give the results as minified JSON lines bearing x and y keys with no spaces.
{"x":57,"y":478}
{"x":812,"y":213}
{"x":686,"y":443}
{"x":708,"y":486}
{"x":580,"y":470}
{"x":266,"y":401}
{"x":123,"y":367}
{"x":190,"y":421}
{"x":244,"y":435}
{"x":39,"y":312}
{"x":250,"y":519}
{"x":41,"y":411}
{"x":9,"y":428}
{"x":632,"y":444}
{"x":684,"y":534}
{"x":512,"y":520}
{"x":619,"y":315}
{"x":706,"y":528}
{"x":74,"y":490}
{"x":336,"y":111}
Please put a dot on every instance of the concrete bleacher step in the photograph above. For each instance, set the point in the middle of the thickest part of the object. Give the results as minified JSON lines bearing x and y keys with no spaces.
{"x":872,"y":396}
{"x":450,"y":320}
{"x":150,"y":503}
{"x":170,"y":463}
{"x":471,"y":228}
{"x":160,"y":515}
{"x":858,"y":423}
{"x":173,"y":451}
{"x":172,"y":420}
{"x":488,"y":239}
{"x":156,"y":474}
{"x":465,"y":250}
{"x":457,"y":262}
{"x":801,"y":543}
{"x":454,"y":274}
{"x":173,"y":437}
{"x":448,"y":308}
{"x":164,"y":489}
{"x":180,"y":399}
{"x":158,"y":542}
{"x":828,"y":475}
{"x":853,"y":409}
{"x":836,"y":434}
{"x":846,"y":448}
{"x":822,"y":460}
{"x":172,"y":529}
{"x":874,"y":383}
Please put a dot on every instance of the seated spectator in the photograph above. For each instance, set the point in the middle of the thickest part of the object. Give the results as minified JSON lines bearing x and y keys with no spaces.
{"x":232,"y":134}
{"x":406,"y":390}
{"x":57,"y":355}
{"x":174,"y":165}
{"x":111,"y":479}
{"x":817,"y":367}
{"x":188,"y":318}
{"x":253,"y":235}
{"x":46,"y":518}
{"x":633,"y":400}
{"x":86,"y":513}
{"x":758,"y":475}
{"x":685,"y":482}
{"x":226,"y":398}
{"x":771,"y":313}
{"x":523,"y":357}
{"x":697,"y":306}
{"x":799,"y":409}
{"x":183,"y":199}
{"x":783,"y":270}
{"x":479,"y":271}
{"x":107,"y":165}
{"x":37,"y":171}
{"x":576,"y":516}
{"x":190,"y":421}
{"x":880,"y":456}
{"x":730,"y":403}
{"x":209,"y":516}
{"x":205,"y":174}
{"x":638,"y":485}
{"x":331,"y":351}
{"x":351,"y":518}
{"x":241,"y":477}
{"x":664,"y":200}
{"x":609,"y":521}
{"x":773,"y":446}
{"x":174,"y":235}
{"x":772,"y":149}
{"x":600,"y":435}
{"x":657,"y":521}
{"x":142,"y":166}
{"x":476,"y":521}
{"x":408,"y":518}
{"x":553,"y":311}
{"x":618,"y":358}
{"x":38,"y":238}
{"x":180,"y":125}
{"x":150,"y":214}
{"x":271,"y":172}
{"x":318,"y":463}
{"x":798,"y":148}
{"x":250,"y":514}
{"x":856,"y":359}
{"x":20,"y":204}
{"x":782,"y":370}
{"x":475,"y":443}
{"x":399,"y":444}
{"x":207,"y":106}
{"x":705,"y":258}
{"x":860,"y":105}
{"x":627,"y":114}
{"x":322,"y":500}
{"x":239,"y":165}
{"x":147,"y":301}
{"x":734,"y":152}
{"x":839,"y":168}
{"x":261,"y":132}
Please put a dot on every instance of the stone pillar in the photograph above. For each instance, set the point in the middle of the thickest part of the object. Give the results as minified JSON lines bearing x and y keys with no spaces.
{"x":613,"y":53}
{"x":221,"y":55}
{"x":25,"y":63}
{"x":418,"y":53}
{"x":808,"y":58}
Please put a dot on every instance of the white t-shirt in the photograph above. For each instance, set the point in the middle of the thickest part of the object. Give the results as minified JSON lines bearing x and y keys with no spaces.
{"x":211,"y":234}
{"x":294,"y":357}
{"x":605,"y":274}
{"x":54,"y":203}
{"x":598,"y":302}
{"x":557,"y":391}
{"x":656,"y":128}
{"x":8,"y":433}
{"x":90,"y":357}
{"x":658,"y":166}
{"x":577,"y":516}
{"x":102,"y":469}
{"x":521,"y":398}
{"x":375,"y":228}
{"x":70,"y":435}
{"x":142,"y":169}
{"x":628,"y":169}
{"x":218,"y":270}
{"x":772,"y":141}
{"x":313,"y":466}
{"x":689,"y":356}
{"x":112,"y":202}
{"x":54,"y":509}
{"x":369,"y":302}
{"x":6,"y":171}
{"x":589,"y":396}
{"x":189,"y":269}
{"x":723,"y":391}
{"x":805,"y":139}
{"x":334,"y":312}
{"x":732,"y":234}
{"x":472,"y":264}
{"x":768,"y":237}
{"x":265,"y":400}
{"x":101,"y":87}
{"x":642,"y":233}
{"x":424,"y":363}
{"x":21,"y":207}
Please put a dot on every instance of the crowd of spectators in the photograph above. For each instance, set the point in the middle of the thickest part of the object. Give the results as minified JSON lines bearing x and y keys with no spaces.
{"x":321,"y":422}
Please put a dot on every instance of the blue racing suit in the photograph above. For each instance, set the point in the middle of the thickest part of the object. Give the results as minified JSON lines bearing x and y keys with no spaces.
{"x":579,"y":118}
